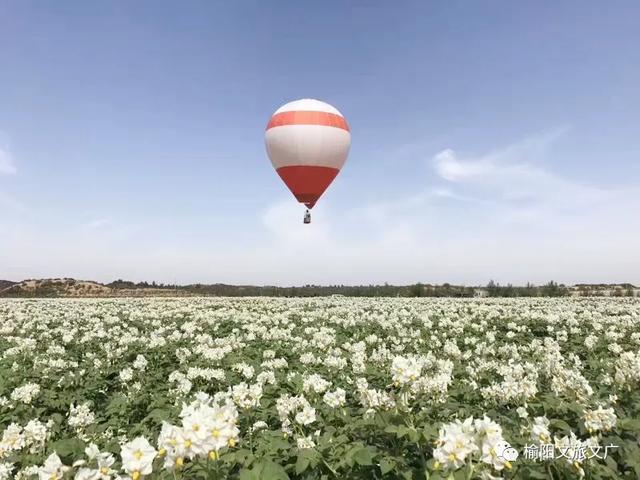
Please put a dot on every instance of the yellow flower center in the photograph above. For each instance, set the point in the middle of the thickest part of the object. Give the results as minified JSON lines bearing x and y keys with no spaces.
{"x":135,"y":475}
{"x":179,"y":461}
{"x":215,"y":433}
{"x":137,"y":454}
{"x":196,"y":427}
{"x":162,"y":451}
{"x":232,"y":442}
{"x":213,"y":455}
{"x":187,"y":443}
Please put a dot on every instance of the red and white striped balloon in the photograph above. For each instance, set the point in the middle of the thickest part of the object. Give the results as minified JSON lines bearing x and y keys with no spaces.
{"x":308,"y":142}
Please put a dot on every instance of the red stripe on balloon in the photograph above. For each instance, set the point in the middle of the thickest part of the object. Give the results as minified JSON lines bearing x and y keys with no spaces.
{"x":301,"y":117}
{"x":307,"y":182}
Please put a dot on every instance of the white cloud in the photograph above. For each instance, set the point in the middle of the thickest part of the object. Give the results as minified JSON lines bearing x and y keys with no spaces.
{"x":450,"y":168}
{"x":7,"y":164}
{"x":514,"y":178}
{"x":98,"y":223}
{"x":519,"y":156}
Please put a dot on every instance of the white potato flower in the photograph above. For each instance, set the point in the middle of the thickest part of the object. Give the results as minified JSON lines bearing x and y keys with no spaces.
{"x":80,"y":416}
{"x":137,"y":457}
{"x":26,"y":393}
{"x":600,"y":419}
{"x":307,"y":416}
{"x":335,"y":399}
{"x":53,"y":469}
{"x":540,"y":433}
{"x":5,"y":470}
{"x":456,"y":441}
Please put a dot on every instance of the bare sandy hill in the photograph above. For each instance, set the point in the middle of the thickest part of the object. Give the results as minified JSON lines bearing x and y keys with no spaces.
{"x":56,"y":287}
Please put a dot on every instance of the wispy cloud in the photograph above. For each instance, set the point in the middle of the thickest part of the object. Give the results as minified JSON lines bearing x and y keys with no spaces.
{"x":514,"y":177}
{"x":7,"y":164}
{"x":519,"y":157}
{"x":97,"y":223}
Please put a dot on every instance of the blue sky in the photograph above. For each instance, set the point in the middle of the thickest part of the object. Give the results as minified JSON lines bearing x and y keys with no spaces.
{"x":489,"y":140}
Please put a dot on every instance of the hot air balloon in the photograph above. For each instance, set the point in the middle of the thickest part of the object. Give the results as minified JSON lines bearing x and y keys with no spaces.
{"x":308,"y":142}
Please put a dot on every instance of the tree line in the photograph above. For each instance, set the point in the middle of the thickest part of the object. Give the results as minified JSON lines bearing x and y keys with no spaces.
{"x":61,"y":287}
{"x":492,"y":289}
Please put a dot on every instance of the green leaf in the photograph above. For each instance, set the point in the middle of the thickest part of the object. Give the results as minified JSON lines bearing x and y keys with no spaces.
{"x":461,"y":474}
{"x":277,"y":442}
{"x":533,"y":473}
{"x":68,"y":447}
{"x":362,"y":456}
{"x":247,"y":474}
{"x":611,"y":463}
{"x":430,"y":432}
{"x":386,"y":465}
{"x":302,"y":463}
{"x":57,"y":418}
{"x":560,"y":424}
{"x":273,"y":471}
{"x":632,"y":424}
{"x":158,"y":415}
{"x":242,"y":456}
{"x":264,"y":470}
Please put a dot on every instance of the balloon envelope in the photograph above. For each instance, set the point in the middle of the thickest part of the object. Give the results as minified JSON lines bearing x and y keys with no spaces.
{"x":308,"y":142}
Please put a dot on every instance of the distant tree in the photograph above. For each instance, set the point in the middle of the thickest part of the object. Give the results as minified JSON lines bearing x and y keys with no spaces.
{"x":493,"y":289}
{"x":552,"y":289}
{"x":416,"y":290}
{"x":529,"y":290}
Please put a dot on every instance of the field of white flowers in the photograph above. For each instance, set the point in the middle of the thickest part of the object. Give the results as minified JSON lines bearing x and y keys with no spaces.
{"x":329,"y":388}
